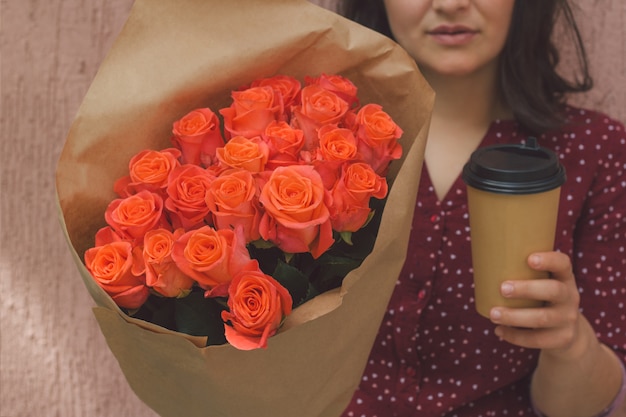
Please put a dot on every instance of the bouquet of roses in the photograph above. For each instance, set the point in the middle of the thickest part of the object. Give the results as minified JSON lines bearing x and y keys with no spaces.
{"x":278,"y":195}
{"x":242,"y":221}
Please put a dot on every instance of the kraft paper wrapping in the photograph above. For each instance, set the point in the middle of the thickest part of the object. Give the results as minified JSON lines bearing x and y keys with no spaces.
{"x":176,"y":55}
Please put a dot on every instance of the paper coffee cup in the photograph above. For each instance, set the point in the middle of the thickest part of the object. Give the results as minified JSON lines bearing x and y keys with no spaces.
{"x":513,"y":197}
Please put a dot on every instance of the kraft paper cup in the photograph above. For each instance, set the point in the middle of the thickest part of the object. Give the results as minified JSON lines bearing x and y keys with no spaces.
{"x":513,"y":197}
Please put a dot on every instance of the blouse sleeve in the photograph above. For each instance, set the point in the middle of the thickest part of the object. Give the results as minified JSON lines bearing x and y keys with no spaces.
{"x":599,"y":251}
{"x":598,"y":174}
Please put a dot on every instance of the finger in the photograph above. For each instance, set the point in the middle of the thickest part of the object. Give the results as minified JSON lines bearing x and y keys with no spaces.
{"x":549,"y":290}
{"x":557,"y":263}
{"x":532,"y":318}
{"x":534,"y":338}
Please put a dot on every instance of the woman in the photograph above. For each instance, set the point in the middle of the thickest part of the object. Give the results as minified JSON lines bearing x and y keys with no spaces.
{"x":492,"y":64}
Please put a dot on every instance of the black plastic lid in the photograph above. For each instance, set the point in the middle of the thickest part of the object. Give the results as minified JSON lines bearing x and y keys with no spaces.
{"x":514,"y":169}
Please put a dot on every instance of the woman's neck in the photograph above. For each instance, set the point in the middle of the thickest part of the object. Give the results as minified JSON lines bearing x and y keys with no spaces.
{"x":471,"y":100}
{"x":465,"y":107}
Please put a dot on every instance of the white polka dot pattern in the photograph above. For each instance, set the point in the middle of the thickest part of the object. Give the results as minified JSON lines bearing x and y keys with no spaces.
{"x":434,"y":355}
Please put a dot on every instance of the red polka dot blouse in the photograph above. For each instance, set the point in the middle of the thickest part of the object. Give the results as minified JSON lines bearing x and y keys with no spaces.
{"x":434,"y":355}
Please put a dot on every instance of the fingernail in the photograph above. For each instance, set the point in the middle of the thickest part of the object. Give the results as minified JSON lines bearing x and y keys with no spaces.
{"x":507,"y":289}
{"x":535,"y":260}
{"x":495,"y":314}
{"x":498,"y":332}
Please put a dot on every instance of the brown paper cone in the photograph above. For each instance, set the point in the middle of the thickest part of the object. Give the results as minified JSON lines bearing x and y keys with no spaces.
{"x":171,"y":57}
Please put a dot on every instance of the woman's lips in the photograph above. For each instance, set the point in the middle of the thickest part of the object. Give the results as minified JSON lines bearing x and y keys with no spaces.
{"x":452,"y":35}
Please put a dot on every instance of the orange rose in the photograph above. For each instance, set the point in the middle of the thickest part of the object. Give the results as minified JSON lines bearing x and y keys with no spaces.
{"x":149,"y":170}
{"x":252,"y":110}
{"x":186,"y":193}
{"x":197,"y":135}
{"x":296,"y":215}
{"x":212,"y":257}
{"x":284,"y":143}
{"x":232,"y":201}
{"x":351,"y":196}
{"x":379,"y":135}
{"x":319,"y":107}
{"x":288,"y":88}
{"x":339,"y":85}
{"x":337,"y":144}
{"x":133,"y":216}
{"x":240,"y":152}
{"x":162,"y":274}
{"x":119,"y":273}
{"x":257,"y":304}
{"x":107,"y":235}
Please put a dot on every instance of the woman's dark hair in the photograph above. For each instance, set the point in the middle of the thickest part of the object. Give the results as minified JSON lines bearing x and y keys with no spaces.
{"x":529,"y":81}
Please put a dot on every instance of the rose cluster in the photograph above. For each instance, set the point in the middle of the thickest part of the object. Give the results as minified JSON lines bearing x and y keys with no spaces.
{"x":288,"y":164}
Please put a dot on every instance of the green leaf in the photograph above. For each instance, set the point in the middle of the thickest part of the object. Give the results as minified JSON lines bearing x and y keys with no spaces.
{"x":267,"y":256}
{"x":332,"y":270}
{"x":289,"y":257}
{"x":262,"y":244}
{"x":369,"y":217}
{"x":360,"y":244}
{"x":158,"y":310}
{"x":293,"y":280}
{"x":346,"y":237}
{"x":312,"y":292}
{"x":199,"y":316}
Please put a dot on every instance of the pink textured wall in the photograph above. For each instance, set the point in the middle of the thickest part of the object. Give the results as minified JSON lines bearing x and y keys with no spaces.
{"x":53,"y":359}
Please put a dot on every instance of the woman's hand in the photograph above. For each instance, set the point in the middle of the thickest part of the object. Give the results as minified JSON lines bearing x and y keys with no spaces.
{"x":575,"y":374}
{"x":556,"y":326}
